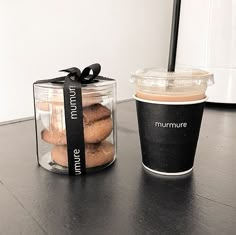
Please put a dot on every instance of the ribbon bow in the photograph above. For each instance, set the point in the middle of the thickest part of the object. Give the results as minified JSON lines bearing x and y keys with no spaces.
{"x":75,"y":74}
{"x":84,"y":77}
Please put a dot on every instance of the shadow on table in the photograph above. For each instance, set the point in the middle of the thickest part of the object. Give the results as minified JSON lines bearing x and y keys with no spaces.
{"x":165,"y":204}
{"x":74,"y":204}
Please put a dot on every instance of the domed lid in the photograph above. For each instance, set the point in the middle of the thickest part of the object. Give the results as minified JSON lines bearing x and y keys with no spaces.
{"x":153,"y":76}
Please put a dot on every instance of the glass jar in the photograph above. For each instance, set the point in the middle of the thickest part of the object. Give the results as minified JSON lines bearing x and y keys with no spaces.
{"x":99,"y":122}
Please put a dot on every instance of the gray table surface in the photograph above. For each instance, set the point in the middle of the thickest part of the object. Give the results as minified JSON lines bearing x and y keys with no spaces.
{"x":124,"y":198}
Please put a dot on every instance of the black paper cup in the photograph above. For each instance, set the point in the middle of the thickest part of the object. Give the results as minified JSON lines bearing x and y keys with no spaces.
{"x":169,"y":134}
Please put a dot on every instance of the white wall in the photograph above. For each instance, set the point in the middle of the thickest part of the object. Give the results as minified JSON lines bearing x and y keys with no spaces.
{"x":38,"y":38}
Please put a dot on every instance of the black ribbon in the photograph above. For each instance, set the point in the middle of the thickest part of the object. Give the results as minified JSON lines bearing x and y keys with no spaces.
{"x":83,"y":77}
{"x":74,"y":112}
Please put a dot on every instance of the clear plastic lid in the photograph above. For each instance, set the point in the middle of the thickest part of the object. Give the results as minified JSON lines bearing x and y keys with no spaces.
{"x":160,"y":77}
{"x":182,"y":85}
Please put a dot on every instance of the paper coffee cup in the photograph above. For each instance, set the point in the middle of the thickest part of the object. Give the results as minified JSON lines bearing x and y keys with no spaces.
{"x":169,"y":110}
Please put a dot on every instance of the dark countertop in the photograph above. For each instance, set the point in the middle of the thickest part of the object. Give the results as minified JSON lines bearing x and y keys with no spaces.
{"x":124,"y":198}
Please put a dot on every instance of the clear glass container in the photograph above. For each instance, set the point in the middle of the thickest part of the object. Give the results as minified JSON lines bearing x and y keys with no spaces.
{"x":99,"y":121}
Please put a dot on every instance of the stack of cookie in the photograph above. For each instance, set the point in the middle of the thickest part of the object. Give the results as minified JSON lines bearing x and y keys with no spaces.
{"x":98,"y":126}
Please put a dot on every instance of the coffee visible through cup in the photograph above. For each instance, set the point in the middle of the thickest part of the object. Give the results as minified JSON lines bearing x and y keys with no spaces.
{"x":173,"y":98}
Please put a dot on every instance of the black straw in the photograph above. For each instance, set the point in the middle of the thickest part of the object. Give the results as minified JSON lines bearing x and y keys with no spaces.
{"x":174,"y":35}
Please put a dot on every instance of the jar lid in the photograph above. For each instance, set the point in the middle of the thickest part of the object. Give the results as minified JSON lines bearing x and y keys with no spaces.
{"x":54,"y":91}
{"x":94,"y":85}
{"x":153,"y":76}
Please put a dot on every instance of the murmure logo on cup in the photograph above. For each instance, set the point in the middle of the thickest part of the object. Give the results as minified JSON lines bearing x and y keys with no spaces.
{"x":171,"y":124}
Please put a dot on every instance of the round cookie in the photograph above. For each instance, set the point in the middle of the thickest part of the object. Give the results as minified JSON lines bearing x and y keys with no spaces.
{"x":95,"y":112}
{"x":96,"y":120}
{"x":97,"y":131}
{"x":53,"y":115}
{"x":55,"y":118}
{"x":59,"y":155}
{"x":54,"y":137}
{"x":99,"y":154}
{"x":90,"y":114}
{"x":93,"y":133}
{"x":95,"y":154}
